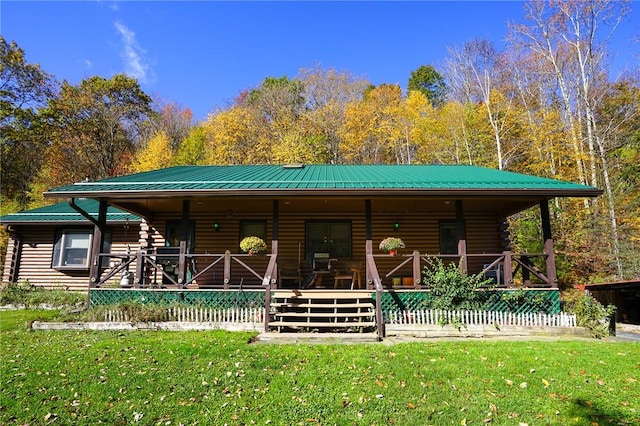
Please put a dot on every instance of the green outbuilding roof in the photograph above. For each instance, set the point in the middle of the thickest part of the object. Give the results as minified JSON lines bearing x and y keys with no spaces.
{"x":320,"y":179}
{"x":64,"y":213}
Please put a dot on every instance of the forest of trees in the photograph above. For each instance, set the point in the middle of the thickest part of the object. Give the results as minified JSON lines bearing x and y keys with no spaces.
{"x":545,"y":105}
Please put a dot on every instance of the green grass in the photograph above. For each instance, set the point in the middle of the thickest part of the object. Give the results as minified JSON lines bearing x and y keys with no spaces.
{"x":32,"y":296}
{"x":217,"y":378}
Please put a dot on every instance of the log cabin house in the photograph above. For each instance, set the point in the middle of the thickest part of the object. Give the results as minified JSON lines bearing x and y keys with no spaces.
{"x":322,"y":225}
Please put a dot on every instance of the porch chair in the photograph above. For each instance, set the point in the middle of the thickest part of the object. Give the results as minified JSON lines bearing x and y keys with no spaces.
{"x":321,"y":266}
{"x":290,"y":271}
{"x":354,"y":277}
{"x":321,"y":262}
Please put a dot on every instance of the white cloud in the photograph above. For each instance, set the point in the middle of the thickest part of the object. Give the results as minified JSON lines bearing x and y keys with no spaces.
{"x":133,"y":55}
{"x":113,"y":5}
{"x":87,"y":63}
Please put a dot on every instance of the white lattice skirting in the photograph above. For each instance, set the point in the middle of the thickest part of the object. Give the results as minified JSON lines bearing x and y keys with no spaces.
{"x":489,"y":318}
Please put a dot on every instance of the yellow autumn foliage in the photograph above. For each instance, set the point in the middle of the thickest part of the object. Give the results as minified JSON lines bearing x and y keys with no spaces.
{"x":156,"y":154}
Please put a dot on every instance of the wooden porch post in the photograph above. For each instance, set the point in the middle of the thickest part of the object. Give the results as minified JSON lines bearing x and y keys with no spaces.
{"x":16,"y":254}
{"x":140,"y":268}
{"x":98,"y":243}
{"x":508,"y":272}
{"x":368,"y":240}
{"x":462,"y":237}
{"x":184,"y":236}
{"x":417,"y":278}
{"x":548,"y":243}
{"x":227,"y":269}
{"x":275,"y":232}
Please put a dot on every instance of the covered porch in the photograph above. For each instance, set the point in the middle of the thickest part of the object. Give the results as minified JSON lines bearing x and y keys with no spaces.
{"x":323,"y":245}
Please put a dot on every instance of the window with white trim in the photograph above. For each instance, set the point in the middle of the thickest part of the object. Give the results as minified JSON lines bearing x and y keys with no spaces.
{"x":72,"y":248}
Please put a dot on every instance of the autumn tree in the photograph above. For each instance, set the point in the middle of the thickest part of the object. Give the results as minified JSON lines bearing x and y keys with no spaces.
{"x":430,"y":83}
{"x":93,"y":128}
{"x":369,"y":133}
{"x":156,"y":154}
{"x":475,"y":73}
{"x":457,"y":133}
{"x":278,"y":101}
{"x":232,"y":138}
{"x":618,"y":117}
{"x":170,"y":118}
{"x":192,"y":150}
{"x":327,"y":93}
{"x":410,"y":119}
{"x":24,"y":89}
{"x":570,"y":37}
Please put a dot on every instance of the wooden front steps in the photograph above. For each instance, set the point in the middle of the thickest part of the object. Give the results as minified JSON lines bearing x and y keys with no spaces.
{"x":322,"y":310}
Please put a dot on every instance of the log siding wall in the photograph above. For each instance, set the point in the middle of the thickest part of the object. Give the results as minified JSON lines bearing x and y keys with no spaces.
{"x":37,"y":251}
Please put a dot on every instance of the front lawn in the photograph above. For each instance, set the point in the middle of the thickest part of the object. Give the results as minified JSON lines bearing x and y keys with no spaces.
{"x":217,"y":378}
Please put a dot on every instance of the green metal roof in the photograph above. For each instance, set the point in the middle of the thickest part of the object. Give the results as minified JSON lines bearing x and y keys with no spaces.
{"x":64,"y":213}
{"x":315,"y":179}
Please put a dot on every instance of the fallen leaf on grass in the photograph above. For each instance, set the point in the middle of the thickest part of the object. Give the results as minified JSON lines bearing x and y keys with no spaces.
{"x":545,"y":383}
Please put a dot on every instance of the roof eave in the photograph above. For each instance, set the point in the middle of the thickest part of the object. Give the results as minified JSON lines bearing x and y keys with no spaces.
{"x":534,"y":192}
{"x":65,"y":222}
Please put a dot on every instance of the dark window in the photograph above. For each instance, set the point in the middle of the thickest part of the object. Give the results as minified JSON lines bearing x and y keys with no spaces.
{"x":253,"y":228}
{"x":332,"y":237}
{"x":173,"y":234}
{"x":172,"y":247}
{"x":448,"y":237}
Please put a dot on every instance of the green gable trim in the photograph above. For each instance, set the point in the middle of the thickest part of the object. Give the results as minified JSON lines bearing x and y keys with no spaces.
{"x":323,"y":179}
{"x":63,"y":212}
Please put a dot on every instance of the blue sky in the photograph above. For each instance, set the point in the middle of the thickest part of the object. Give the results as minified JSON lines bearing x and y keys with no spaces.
{"x":201,"y":54}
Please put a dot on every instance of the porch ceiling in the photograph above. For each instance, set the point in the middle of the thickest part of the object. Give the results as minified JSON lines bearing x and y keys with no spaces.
{"x":501,"y":205}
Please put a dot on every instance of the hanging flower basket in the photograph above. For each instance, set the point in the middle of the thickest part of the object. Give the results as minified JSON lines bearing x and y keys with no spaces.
{"x":391,"y":245}
{"x":253,"y":245}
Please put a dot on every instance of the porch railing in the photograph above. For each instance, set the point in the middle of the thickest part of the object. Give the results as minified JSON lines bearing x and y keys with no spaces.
{"x":506,"y":269}
{"x":149,"y":266}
